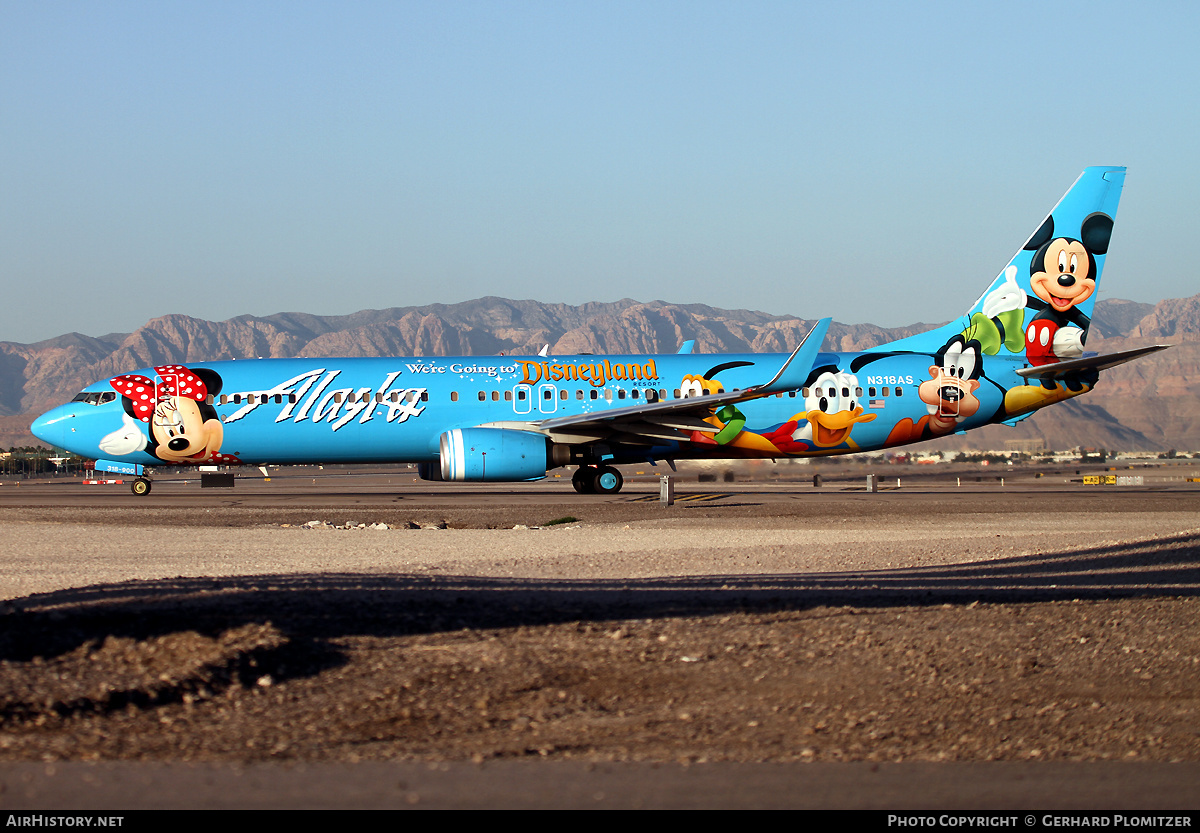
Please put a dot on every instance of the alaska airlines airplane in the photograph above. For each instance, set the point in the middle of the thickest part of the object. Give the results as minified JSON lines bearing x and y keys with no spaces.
{"x":1020,"y":347}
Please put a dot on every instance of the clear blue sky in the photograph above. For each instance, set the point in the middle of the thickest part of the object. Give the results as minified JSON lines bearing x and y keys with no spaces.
{"x":877,"y":162}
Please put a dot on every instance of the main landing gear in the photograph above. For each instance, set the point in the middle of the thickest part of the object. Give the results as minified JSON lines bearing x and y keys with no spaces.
{"x":601,"y":480}
{"x":140,"y":486}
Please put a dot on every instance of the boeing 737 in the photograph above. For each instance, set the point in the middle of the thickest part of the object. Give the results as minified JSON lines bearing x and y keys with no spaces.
{"x":1019,"y":348}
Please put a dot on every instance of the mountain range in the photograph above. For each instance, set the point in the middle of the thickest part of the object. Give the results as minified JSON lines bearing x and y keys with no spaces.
{"x":1152,"y":404}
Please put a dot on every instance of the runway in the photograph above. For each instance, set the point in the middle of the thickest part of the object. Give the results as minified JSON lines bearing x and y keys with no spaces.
{"x":960,"y":623}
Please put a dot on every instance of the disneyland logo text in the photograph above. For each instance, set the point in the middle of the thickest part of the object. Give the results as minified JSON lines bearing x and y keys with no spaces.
{"x":485,"y":369}
{"x":597,"y":374}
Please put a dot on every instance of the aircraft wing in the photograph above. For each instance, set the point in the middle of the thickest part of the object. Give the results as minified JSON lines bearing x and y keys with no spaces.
{"x":665,"y":419}
{"x":1060,"y":370}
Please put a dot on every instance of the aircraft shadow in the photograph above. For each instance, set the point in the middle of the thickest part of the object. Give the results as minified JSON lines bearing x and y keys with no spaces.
{"x":327,"y":607}
{"x":104,"y":648}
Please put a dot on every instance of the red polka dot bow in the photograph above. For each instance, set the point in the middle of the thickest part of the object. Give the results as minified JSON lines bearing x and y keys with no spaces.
{"x":143,"y":393}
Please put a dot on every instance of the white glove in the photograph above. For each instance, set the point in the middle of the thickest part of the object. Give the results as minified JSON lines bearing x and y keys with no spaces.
{"x":125,"y":440}
{"x":1007,"y":296}
{"x":1068,"y":343}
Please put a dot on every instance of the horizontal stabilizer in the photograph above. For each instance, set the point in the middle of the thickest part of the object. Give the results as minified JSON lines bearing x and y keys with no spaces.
{"x":1060,"y":370}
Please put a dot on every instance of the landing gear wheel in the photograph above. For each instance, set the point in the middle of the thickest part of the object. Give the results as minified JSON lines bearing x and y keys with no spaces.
{"x":583,"y":480}
{"x":608,"y":481}
{"x":140,"y":486}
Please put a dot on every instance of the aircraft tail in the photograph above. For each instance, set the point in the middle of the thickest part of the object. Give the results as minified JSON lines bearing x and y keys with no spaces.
{"x":1040,"y":305}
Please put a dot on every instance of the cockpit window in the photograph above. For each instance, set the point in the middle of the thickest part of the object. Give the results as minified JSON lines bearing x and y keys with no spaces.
{"x":95,"y":397}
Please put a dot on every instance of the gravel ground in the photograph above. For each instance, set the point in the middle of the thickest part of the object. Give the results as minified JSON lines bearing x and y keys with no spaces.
{"x":927,"y":628}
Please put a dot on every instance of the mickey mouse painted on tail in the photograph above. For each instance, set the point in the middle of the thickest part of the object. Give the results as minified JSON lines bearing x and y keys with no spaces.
{"x":1062,"y":275}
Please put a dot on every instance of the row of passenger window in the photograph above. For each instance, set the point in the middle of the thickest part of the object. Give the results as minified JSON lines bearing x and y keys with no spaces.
{"x":279,"y":398}
{"x":649,"y":394}
{"x":846,"y":392}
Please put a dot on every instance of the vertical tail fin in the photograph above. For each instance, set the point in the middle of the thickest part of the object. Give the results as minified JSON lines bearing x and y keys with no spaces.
{"x":1040,"y":305}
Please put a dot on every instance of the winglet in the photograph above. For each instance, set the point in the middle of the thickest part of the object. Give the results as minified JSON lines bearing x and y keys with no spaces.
{"x":687,"y":346}
{"x":795,"y":370}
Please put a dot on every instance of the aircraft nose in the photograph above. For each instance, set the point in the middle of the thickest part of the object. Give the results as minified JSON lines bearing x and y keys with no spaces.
{"x":49,"y":427}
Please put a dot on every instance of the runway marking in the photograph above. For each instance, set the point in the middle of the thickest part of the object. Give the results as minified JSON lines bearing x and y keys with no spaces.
{"x":692,"y":498}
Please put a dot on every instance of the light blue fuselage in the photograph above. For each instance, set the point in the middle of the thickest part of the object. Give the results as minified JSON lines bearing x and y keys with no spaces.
{"x":280,"y":411}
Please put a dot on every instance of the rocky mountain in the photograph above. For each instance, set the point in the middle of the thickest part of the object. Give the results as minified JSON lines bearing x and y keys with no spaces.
{"x":1149,"y":404}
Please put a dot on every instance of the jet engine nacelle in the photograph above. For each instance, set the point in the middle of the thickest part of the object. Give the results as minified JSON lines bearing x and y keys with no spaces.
{"x":500,"y":454}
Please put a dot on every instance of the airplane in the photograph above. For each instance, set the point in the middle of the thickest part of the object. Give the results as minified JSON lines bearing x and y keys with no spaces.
{"x":1018,"y":348}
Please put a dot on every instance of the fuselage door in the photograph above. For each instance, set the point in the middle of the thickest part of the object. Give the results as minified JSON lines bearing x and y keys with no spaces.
{"x":547,"y":398}
{"x":165,"y":381}
{"x":950,"y":399}
{"x":522,"y":399}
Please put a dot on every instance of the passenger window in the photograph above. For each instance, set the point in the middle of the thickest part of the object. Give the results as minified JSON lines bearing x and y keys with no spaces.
{"x":237,"y":399}
{"x":508,"y":396}
{"x":595,"y":395}
{"x":885,"y":391}
{"x":607,"y":395}
{"x":872,"y":391}
{"x":858,"y":392}
{"x":633,"y":394}
{"x":651,"y":395}
{"x":547,"y":394}
{"x":224,"y":399}
{"x":621,"y":393}
{"x":482,"y":396}
{"x":495,"y":396}
{"x":662,"y":393}
{"x":791,"y":394}
{"x":805,"y":392}
{"x":453,"y":396}
{"x":578,"y":394}
{"x":424,"y":396}
{"x":292,"y":398}
{"x":521,"y":396}
{"x":564,"y":393}
{"x":899,"y":391}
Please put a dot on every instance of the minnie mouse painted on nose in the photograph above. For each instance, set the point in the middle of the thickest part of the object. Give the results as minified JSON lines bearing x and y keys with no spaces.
{"x":183,"y":427}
